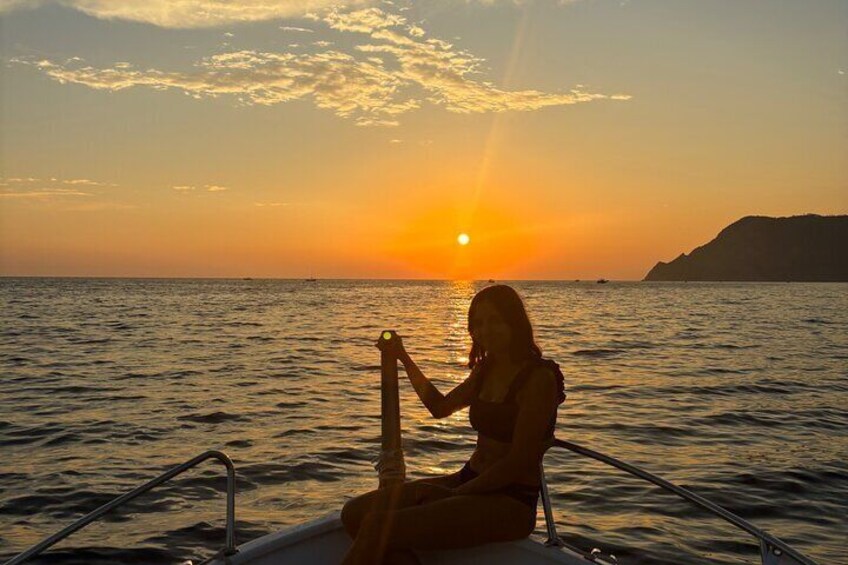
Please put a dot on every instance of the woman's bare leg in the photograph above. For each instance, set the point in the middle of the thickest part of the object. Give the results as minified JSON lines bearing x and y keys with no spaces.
{"x":386,"y":499}
{"x":458,"y":521}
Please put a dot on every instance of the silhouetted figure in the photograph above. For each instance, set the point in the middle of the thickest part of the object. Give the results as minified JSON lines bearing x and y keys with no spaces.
{"x":513,"y":394}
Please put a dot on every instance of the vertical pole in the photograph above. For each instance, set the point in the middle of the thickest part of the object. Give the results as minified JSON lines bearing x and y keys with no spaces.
{"x":390,"y":467}
{"x":553,"y":538}
{"x":230,"y":548}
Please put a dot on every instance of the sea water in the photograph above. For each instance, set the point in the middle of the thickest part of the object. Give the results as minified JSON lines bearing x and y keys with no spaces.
{"x":737,"y":391}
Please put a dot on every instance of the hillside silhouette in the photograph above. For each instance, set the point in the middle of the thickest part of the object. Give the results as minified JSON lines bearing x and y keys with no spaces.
{"x":758,"y":248}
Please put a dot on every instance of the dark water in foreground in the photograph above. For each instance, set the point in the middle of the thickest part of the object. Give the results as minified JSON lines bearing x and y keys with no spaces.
{"x":736,"y":391}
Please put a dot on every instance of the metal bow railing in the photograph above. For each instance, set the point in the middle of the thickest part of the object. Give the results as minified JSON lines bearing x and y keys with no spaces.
{"x":772,"y":550}
{"x":230,"y":547}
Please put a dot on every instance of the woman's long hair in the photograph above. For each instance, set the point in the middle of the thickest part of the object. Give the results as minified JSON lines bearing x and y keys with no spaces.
{"x":510,"y":306}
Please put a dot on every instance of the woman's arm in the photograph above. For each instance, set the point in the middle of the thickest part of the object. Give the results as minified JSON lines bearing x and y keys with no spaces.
{"x":439,"y":405}
{"x":537,"y":404}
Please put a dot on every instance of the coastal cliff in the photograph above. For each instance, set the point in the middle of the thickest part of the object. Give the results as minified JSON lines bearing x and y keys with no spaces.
{"x":758,"y":248}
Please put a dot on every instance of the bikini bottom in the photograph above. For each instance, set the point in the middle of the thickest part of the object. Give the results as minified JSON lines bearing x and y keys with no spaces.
{"x":526,"y":494}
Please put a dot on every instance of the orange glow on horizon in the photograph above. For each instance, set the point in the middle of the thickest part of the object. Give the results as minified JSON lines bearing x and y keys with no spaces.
{"x":427,"y":243}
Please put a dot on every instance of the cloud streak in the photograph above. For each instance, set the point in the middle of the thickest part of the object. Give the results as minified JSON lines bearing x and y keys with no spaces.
{"x":297,"y":29}
{"x":208,"y":187}
{"x":185,"y":13}
{"x":51,"y":192}
{"x":47,"y":189}
{"x":42,"y":193}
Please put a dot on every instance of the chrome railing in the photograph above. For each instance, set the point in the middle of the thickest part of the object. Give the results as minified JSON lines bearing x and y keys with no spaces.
{"x":230,"y":547}
{"x":772,"y":550}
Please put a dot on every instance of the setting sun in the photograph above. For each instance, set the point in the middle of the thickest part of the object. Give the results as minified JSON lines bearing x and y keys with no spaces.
{"x":463,"y":239}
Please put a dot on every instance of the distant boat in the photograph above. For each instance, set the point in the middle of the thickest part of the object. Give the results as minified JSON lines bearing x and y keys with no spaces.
{"x":246,"y":279}
{"x":310,"y":279}
{"x":491,"y":280}
{"x":602,"y":281}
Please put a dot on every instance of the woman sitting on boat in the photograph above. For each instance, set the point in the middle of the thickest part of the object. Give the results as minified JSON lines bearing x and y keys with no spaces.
{"x":513,"y":394}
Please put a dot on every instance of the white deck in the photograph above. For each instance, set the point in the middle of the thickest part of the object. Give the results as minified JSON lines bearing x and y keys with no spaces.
{"x":324,"y":541}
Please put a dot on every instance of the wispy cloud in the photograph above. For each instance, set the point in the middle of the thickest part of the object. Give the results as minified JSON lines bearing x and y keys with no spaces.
{"x":43,"y":193}
{"x":445,"y":73}
{"x":362,"y":21}
{"x":9,"y":5}
{"x":382,"y":79}
{"x":298,"y":29}
{"x":208,"y":187}
{"x":48,"y":188}
{"x":51,"y":183}
{"x":53,"y":180}
{"x":214,"y":13}
{"x":186,"y":13}
{"x":87,"y":182}
{"x":270,"y":204}
{"x":335,"y":81}
{"x":22,"y":180}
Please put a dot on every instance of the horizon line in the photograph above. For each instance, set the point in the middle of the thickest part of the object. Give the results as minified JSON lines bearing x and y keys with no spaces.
{"x":237,"y":278}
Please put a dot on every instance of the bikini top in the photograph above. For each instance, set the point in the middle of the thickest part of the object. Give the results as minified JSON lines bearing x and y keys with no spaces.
{"x":497,"y":419}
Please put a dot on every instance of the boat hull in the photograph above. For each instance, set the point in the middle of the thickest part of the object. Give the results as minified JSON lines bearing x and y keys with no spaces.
{"x":324,"y":541}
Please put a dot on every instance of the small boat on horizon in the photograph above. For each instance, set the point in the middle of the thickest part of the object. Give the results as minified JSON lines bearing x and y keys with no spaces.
{"x":602,"y":281}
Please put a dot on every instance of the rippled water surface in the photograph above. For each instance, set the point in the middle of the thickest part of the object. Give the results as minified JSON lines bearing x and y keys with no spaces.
{"x":736,"y":391}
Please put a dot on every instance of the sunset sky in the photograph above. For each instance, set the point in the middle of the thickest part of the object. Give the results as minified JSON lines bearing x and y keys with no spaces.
{"x":570,"y":139}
